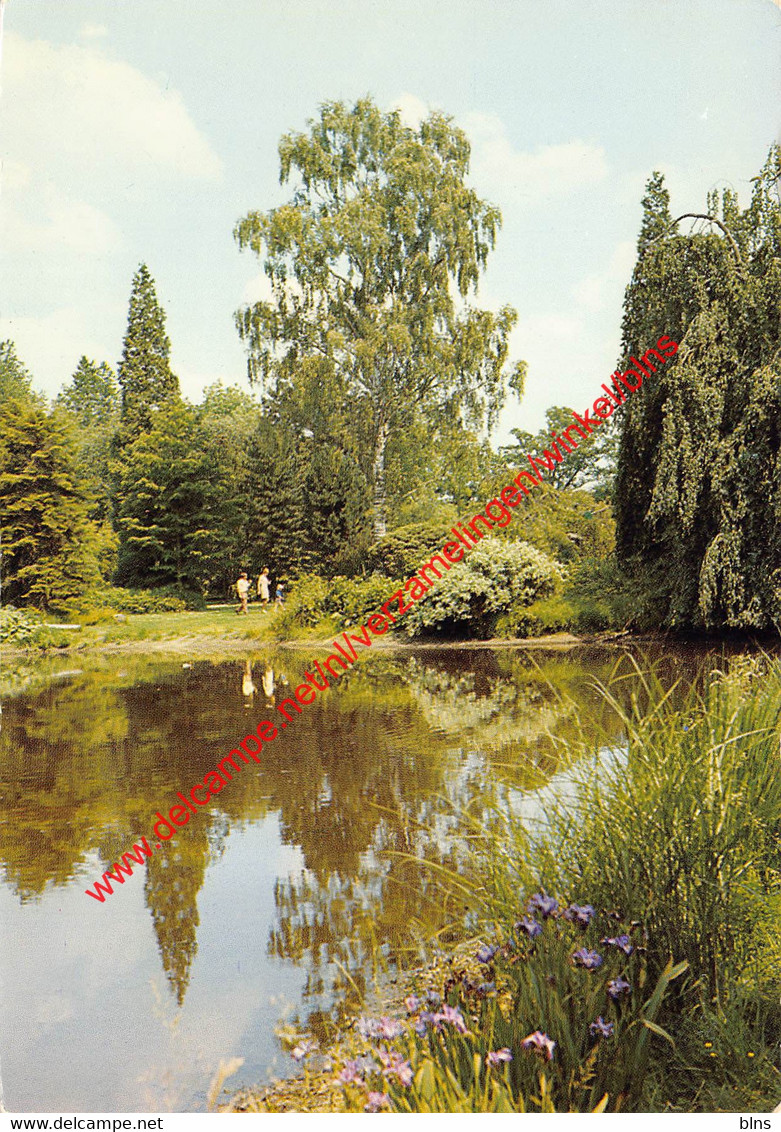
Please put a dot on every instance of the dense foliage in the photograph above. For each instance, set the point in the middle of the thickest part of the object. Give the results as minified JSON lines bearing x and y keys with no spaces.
{"x":370,"y":265}
{"x":698,"y":493}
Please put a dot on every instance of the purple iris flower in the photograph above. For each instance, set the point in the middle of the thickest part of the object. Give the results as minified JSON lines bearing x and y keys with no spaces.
{"x":590,"y":960}
{"x":580,"y":914}
{"x":424,"y":1020}
{"x":543,"y":904}
{"x":394,"y":1065}
{"x":433,"y":998}
{"x":376,"y":1101}
{"x":617,"y":987}
{"x":497,"y":1056}
{"x":486,"y":953}
{"x":412,"y":1002}
{"x":368,"y":1027}
{"x":390,"y":1028}
{"x":452,"y":1015}
{"x":539,"y":1043}
{"x":601,"y":1028}
{"x":351,"y":1074}
{"x":621,"y":941}
{"x":529,"y":925}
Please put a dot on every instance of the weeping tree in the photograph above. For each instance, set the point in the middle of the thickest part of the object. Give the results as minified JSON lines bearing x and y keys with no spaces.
{"x":370,"y":265}
{"x":698,"y":489}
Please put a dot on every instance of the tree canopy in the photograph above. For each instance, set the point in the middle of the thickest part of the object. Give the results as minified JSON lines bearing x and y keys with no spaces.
{"x":370,"y":265}
{"x":698,"y":490}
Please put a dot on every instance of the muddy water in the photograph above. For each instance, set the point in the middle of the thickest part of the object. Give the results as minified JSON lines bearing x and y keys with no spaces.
{"x":275,"y":901}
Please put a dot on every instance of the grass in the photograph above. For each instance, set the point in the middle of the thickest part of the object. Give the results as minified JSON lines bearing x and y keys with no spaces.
{"x":212,"y":625}
{"x":673,"y":841}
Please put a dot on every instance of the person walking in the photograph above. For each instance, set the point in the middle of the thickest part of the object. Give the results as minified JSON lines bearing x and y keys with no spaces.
{"x":263,"y":586}
{"x":242,"y":589}
{"x":280,"y":594}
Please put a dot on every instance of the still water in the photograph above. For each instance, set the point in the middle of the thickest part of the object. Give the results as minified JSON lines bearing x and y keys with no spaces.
{"x":270,"y":904}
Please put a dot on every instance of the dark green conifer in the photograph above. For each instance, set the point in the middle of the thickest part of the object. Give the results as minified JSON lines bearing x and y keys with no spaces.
{"x":145,"y":375}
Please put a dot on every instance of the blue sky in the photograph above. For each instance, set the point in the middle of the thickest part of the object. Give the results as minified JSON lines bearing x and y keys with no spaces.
{"x":145,"y":130}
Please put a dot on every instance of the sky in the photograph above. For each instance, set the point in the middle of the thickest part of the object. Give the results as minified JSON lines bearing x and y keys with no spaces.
{"x":144,"y":131}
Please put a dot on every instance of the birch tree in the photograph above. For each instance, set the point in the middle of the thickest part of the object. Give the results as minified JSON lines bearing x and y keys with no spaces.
{"x":371,"y":265}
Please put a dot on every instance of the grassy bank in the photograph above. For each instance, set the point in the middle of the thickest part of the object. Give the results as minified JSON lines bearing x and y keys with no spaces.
{"x":629,"y":955}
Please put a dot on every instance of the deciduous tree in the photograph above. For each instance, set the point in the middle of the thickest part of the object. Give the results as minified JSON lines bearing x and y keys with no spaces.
{"x":370,"y":266}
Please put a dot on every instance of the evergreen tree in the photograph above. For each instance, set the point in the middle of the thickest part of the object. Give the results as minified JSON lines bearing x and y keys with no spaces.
{"x":168,"y":503}
{"x":92,"y":395}
{"x":49,"y":544}
{"x":92,"y":399}
{"x":276,"y":523}
{"x":698,"y":490}
{"x":15,"y":379}
{"x":145,"y":375}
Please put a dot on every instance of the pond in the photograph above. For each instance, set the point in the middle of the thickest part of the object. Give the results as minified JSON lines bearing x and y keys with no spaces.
{"x":275,"y":900}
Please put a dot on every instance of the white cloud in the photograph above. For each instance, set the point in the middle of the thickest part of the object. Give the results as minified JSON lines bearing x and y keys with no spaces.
{"x":77,"y":105}
{"x":413,"y":109}
{"x":596,"y":291}
{"x":550,"y":170}
{"x":70,"y":224}
{"x":93,"y":31}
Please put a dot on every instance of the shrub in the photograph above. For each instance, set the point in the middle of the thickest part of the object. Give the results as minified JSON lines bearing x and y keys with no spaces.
{"x":18,"y":626}
{"x":548,"y":615}
{"x":399,"y":554}
{"x":351,"y":600}
{"x":167,"y":599}
{"x":496,"y":576}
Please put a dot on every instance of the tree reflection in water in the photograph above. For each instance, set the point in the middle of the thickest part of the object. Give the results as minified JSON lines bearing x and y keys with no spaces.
{"x":380,"y":784}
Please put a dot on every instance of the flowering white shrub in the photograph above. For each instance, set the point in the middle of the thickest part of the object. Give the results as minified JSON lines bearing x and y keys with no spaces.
{"x":495,"y":577}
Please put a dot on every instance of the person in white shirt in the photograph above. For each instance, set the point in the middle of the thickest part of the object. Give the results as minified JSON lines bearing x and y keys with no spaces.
{"x":263,"y":589}
{"x":242,"y":589}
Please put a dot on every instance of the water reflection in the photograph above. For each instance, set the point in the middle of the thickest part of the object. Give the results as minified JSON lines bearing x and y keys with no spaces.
{"x":374,"y":779}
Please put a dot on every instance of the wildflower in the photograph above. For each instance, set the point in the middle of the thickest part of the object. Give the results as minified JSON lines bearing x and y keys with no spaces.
{"x":303,"y":1049}
{"x":602,"y":1028}
{"x":420,"y":1025}
{"x":580,"y":914}
{"x":621,"y":941}
{"x":709,"y":1045}
{"x":750,"y":1053}
{"x":539,"y":1043}
{"x":376,"y":1101}
{"x":351,"y":1074}
{"x":545,"y":905}
{"x":433,"y":998}
{"x":368,"y":1027}
{"x":394,"y":1065}
{"x":617,"y":987}
{"x":590,"y":960}
{"x":486,"y":953}
{"x":496,"y":1056}
{"x":412,"y":1002}
{"x":529,"y":925}
{"x":452,"y":1015}
{"x":384,"y":1027}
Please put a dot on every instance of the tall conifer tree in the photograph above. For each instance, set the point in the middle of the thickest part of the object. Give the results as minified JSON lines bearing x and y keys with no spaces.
{"x":145,"y":374}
